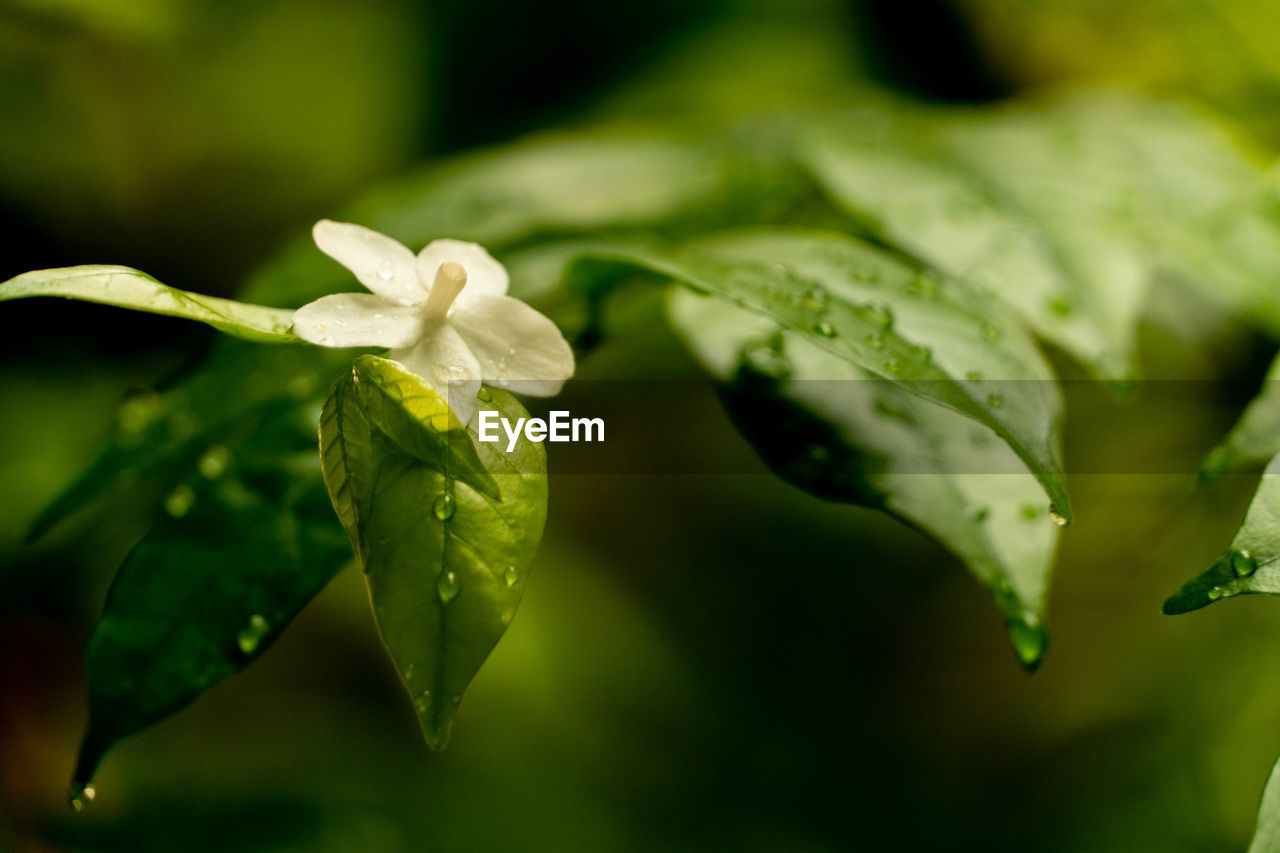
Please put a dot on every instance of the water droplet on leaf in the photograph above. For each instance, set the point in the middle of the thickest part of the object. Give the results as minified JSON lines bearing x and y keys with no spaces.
{"x":179,"y":501}
{"x":1057,"y":516}
{"x":1243,"y":563}
{"x":252,"y":634}
{"x":213,"y":463}
{"x":995,"y":401}
{"x":510,"y":576}
{"x":444,"y":507}
{"x":386,"y":271}
{"x":447,"y":587}
{"x":825,"y":329}
{"x":483,"y":395}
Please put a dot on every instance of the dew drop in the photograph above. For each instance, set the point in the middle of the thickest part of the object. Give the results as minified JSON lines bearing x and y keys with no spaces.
{"x":1214,"y":594}
{"x":510,"y":576}
{"x":995,"y":401}
{"x":920,"y":353}
{"x":880,"y":315}
{"x":973,"y":376}
{"x":386,"y":271}
{"x":213,"y":463}
{"x":825,"y":329}
{"x":815,"y":299}
{"x":422,"y":702}
{"x":1243,"y":563}
{"x":484,"y":395}
{"x":81,"y":796}
{"x":408,"y":672}
{"x":252,"y":634}
{"x":179,"y":502}
{"x":1057,"y":516}
{"x":447,"y":587}
{"x":444,"y":507}
{"x":1030,"y":512}
{"x":320,"y":328}
{"x":893,"y":365}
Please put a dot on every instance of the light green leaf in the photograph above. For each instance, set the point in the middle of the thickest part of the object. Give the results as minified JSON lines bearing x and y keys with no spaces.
{"x":418,"y":420}
{"x":839,"y":432}
{"x":129,"y":288}
{"x":1255,"y":437}
{"x":445,"y":562}
{"x":1252,"y":563}
{"x":934,"y":336}
{"x":241,"y":550}
{"x":1266,"y":838}
{"x":1064,"y":208}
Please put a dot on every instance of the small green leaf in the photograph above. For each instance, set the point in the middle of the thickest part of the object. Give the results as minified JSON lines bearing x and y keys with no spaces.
{"x":1255,"y":438}
{"x":129,"y":288}
{"x":419,"y":421}
{"x":1252,"y":562}
{"x":921,"y":331}
{"x":202,"y":596}
{"x":843,"y":434}
{"x":1266,"y":838}
{"x":346,"y":449}
{"x":447,"y":564}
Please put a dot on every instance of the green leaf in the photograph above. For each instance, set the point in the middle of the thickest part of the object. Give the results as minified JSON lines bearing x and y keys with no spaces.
{"x":1064,"y":208}
{"x":1266,"y":838}
{"x":934,"y":336}
{"x":1255,"y":438}
{"x":1252,"y":562}
{"x":446,"y":562}
{"x":204,"y":594}
{"x":129,"y":288}
{"x":839,"y":432}
{"x":419,"y":421}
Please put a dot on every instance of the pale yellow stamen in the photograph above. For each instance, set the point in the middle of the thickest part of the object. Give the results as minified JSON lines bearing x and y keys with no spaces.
{"x":450,"y":279}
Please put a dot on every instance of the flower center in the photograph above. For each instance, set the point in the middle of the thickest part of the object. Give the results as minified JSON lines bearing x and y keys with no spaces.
{"x":450,"y":279}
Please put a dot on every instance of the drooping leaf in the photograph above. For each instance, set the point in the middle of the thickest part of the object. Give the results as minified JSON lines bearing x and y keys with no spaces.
{"x":241,"y":550}
{"x":1252,"y":562}
{"x":445,"y":562}
{"x":1255,"y":437}
{"x":129,"y":288}
{"x":1266,"y":838}
{"x":839,"y":432}
{"x":1063,"y":208}
{"x":933,"y":336}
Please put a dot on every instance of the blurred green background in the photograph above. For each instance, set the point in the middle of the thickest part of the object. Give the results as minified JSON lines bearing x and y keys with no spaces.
{"x":701,"y":661}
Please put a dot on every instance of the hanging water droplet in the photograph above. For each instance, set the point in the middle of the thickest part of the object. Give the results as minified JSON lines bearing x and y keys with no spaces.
{"x":253,"y":633}
{"x":510,"y":576}
{"x":1057,"y":516}
{"x":825,"y":329}
{"x":1243,"y":563}
{"x":995,"y":401}
{"x":444,"y":507}
{"x":447,"y":587}
{"x":386,"y":271}
{"x":81,"y":795}
{"x":179,"y":502}
{"x":213,"y":463}
{"x":1029,"y":641}
{"x":989,"y":332}
{"x":973,"y":376}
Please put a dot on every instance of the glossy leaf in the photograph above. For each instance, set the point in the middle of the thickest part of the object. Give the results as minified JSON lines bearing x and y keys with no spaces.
{"x":928,"y":334}
{"x":129,"y":288}
{"x":1252,"y":562}
{"x":839,"y":432}
{"x":204,"y":594}
{"x":446,"y":563}
{"x":1064,"y":208}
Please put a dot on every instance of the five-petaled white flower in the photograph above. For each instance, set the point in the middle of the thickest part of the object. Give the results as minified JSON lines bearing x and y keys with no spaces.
{"x":444,"y":315}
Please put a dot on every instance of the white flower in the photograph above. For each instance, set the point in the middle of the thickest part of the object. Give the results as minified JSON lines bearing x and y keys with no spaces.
{"x":444,"y":315}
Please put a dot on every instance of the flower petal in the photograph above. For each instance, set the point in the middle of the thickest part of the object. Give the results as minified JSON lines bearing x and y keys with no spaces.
{"x":444,"y":362}
{"x":517,"y":347}
{"x":380,"y":263}
{"x":485,"y":276}
{"x":357,"y":320}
